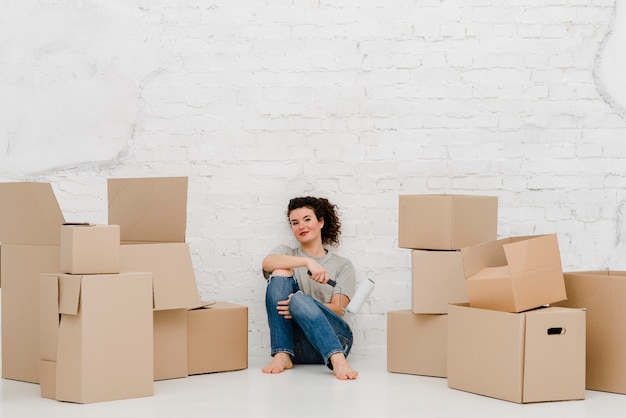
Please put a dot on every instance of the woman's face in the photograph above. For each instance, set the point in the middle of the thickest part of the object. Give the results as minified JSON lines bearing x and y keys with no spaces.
{"x":305,"y":225}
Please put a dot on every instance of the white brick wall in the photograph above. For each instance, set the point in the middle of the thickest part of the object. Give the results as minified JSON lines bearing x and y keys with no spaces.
{"x":359,"y":101}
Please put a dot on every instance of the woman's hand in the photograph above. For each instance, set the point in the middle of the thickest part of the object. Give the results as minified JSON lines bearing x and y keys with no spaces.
{"x":317,"y":273}
{"x":283,"y":307}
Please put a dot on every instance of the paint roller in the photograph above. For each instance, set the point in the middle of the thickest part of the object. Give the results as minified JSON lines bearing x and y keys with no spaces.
{"x":360,"y":296}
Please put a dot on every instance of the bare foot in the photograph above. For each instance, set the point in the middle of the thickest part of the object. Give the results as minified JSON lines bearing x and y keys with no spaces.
{"x":341,"y":368}
{"x":280,"y":362}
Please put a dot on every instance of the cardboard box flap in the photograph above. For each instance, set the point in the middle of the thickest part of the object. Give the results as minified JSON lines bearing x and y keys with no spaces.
{"x":488,"y":254}
{"x":535,"y":254}
{"x":29,"y":214}
{"x":149,"y":209}
{"x":69,"y":294}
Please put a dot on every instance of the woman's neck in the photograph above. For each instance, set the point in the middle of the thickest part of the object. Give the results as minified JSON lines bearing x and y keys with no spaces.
{"x":316,"y":250}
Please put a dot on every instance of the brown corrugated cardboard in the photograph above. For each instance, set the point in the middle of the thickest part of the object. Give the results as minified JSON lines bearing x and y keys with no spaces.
{"x":21,"y":266}
{"x":514,"y":274}
{"x":172,"y":270}
{"x":105,"y":337}
{"x":30,"y":221}
{"x":437,"y":280}
{"x":90,"y":249}
{"x":416,"y":343}
{"x":29,"y":214}
{"x":47,"y":379}
{"x":170,"y":344}
{"x":446,"y":221}
{"x":217,"y":338}
{"x":603,"y":295}
{"x":149,"y":209}
{"x":533,"y":356}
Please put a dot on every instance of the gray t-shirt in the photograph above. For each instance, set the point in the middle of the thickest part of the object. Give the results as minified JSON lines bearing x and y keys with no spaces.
{"x":339,"y":269}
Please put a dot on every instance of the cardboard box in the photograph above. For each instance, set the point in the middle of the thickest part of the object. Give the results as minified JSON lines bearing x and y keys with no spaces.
{"x":90,"y":249}
{"x":534,"y":356}
{"x":416,"y":343}
{"x":170,"y":344}
{"x":514,"y":274}
{"x":217,"y":338}
{"x":603,"y":295}
{"x":437,"y":280}
{"x":30,"y":220}
{"x":151,"y":213}
{"x":105,"y":337}
{"x":446,"y":221}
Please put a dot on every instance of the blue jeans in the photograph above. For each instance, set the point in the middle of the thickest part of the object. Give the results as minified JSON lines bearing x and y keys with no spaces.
{"x":313,"y":334}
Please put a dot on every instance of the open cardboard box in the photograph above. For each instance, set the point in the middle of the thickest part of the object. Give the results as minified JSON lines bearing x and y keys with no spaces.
{"x":514,"y":274}
{"x":30,"y":227}
{"x":152,"y":215}
{"x":96,"y":336}
{"x":533,"y":356}
{"x":602,"y":294}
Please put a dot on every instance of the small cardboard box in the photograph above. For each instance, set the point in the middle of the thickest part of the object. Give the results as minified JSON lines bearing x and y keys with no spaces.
{"x":30,"y":221}
{"x":437,"y":280}
{"x":217,"y":338}
{"x":416,"y":343}
{"x":105,"y":336}
{"x":533,"y":356}
{"x":514,"y":274}
{"x":603,"y":295}
{"x":90,"y":249}
{"x":446,"y":221}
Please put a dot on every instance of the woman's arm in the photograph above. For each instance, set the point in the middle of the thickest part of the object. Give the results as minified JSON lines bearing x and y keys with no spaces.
{"x":338,"y":303}
{"x":280,"y":261}
{"x":288,"y":262}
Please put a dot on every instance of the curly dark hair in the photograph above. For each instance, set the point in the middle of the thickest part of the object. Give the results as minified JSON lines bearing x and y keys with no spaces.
{"x":324,"y":210}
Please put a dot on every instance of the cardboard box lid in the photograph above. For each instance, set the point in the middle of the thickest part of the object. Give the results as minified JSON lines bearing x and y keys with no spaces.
{"x":29,"y":214}
{"x":149,"y":209}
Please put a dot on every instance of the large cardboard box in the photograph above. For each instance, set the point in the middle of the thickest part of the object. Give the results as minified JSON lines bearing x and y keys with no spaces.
{"x":30,"y":227}
{"x":417,"y":343}
{"x":603,"y":295}
{"x":514,"y":274}
{"x":437,"y":280}
{"x":533,"y":356}
{"x":446,"y":221}
{"x":90,"y":249}
{"x":105,"y":336}
{"x":152,"y":215}
{"x":217,"y":338}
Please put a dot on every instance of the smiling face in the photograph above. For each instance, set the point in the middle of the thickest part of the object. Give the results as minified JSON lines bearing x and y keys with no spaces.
{"x":305,"y":226}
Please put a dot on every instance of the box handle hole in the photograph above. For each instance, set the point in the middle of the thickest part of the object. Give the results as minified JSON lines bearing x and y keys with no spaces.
{"x":556,"y":331}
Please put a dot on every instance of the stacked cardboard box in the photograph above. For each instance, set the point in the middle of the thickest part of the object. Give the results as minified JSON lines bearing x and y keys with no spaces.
{"x":434,"y":228}
{"x":506,"y":342}
{"x":152,"y":214}
{"x":145,"y":233}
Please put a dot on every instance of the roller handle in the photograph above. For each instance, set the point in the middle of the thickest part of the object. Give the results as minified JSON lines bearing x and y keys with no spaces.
{"x":330,"y":281}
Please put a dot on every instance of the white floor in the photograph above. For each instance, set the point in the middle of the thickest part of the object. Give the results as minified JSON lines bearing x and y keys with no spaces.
{"x":305,"y":391}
